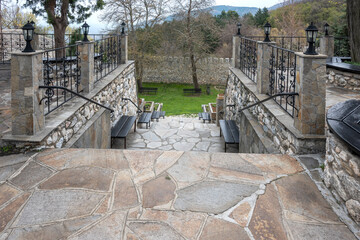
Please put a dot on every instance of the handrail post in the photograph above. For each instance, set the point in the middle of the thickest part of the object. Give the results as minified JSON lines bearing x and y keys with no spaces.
{"x":26,"y":74}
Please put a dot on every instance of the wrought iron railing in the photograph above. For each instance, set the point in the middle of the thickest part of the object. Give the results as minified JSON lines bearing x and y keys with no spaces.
{"x":282,"y":77}
{"x":107,"y":54}
{"x":342,"y":47}
{"x":10,"y":42}
{"x":248,"y":57}
{"x":293,"y":43}
{"x":61,"y":67}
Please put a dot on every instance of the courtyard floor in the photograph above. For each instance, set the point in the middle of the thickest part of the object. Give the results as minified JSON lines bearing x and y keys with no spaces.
{"x":126,"y":194}
{"x":177,"y":133}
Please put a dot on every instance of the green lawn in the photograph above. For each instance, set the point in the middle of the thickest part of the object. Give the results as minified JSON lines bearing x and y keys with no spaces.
{"x":175,"y":103}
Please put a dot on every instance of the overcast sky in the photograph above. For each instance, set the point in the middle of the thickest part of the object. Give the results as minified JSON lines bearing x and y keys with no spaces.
{"x":248,"y":3}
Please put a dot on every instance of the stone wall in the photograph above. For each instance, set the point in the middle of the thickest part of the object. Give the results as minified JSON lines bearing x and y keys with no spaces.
{"x":64,"y":124}
{"x":343,"y":79}
{"x":265,"y":128}
{"x":177,"y":70}
{"x":341,"y":175}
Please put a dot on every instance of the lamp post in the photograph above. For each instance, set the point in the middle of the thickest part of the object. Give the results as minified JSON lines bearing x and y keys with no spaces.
{"x":28,"y":32}
{"x":238,"y":29}
{"x":123,"y":28}
{"x":85,"y":29}
{"x":311,"y":34}
{"x":326,"y":29}
{"x":267,"y":30}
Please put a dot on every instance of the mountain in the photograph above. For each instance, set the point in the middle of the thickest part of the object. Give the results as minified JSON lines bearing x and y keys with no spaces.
{"x":216,"y":10}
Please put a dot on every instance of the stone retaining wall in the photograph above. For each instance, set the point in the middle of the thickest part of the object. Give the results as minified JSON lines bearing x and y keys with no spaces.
{"x":267,"y":128}
{"x":65,"y":123}
{"x":342,"y":174}
{"x":177,"y":70}
{"x":343,"y":79}
{"x":123,"y":85}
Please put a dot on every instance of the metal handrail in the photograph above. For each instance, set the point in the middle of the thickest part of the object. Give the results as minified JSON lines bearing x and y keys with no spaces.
{"x":269,"y":98}
{"x":75,"y":93}
{"x":124,"y":99}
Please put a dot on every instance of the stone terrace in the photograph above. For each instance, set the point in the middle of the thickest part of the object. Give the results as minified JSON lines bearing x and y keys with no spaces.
{"x":125,"y":194}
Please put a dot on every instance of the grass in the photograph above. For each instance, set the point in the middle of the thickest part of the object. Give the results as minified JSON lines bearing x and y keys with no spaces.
{"x":175,"y":103}
{"x":353,"y":63}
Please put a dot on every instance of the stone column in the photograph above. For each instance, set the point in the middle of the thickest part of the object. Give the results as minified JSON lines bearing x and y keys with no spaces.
{"x":26,"y":76}
{"x":35,"y":43}
{"x":236,"y":52}
{"x":86,"y":51}
{"x":327,"y":46}
{"x":124,"y":49}
{"x":311,"y":86}
{"x":263,"y":64}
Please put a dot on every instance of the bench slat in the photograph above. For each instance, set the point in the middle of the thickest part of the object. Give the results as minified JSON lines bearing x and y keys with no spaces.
{"x":226,"y":132}
{"x":234,"y":130}
{"x":155,"y":115}
{"x":118,"y":126}
{"x":126,"y":127}
{"x":145,"y":117}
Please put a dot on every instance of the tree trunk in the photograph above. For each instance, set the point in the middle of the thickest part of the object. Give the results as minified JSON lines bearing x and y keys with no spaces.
{"x":193,"y":71}
{"x":353,"y":17}
{"x":191,"y":47}
{"x":59,"y":32}
{"x":139,"y":72}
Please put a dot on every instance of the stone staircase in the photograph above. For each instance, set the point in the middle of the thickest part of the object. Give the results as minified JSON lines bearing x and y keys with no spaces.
{"x":125,"y":194}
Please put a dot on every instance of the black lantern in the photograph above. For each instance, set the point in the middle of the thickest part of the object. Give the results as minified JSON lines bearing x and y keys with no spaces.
{"x":85,"y":29}
{"x":238,"y":29}
{"x":311,"y":34}
{"x":32,"y":23}
{"x":28,"y":32}
{"x":123,"y":28}
{"x":326,"y":29}
{"x":267,"y":30}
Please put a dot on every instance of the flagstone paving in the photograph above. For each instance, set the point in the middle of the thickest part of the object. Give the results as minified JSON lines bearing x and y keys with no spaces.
{"x":125,"y":194}
{"x":177,"y":133}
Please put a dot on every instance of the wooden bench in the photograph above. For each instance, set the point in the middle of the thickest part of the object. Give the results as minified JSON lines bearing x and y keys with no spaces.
{"x":162,"y":114}
{"x":204,"y":116}
{"x":145,"y":117}
{"x":122,"y":128}
{"x":155,"y":115}
{"x":148,"y":90}
{"x":192,"y":91}
{"x":230,"y":132}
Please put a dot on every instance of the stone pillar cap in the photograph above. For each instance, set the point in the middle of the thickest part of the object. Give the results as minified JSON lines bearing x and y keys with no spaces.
{"x":19,"y":53}
{"x":319,"y":56}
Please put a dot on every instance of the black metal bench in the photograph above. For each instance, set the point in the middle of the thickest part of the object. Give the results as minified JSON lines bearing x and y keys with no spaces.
{"x":205,"y":116}
{"x":192,"y":91}
{"x":148,"y":90}
{"x":162,"y":114}
{"x":145,"y":117}
{"x":122,"y":128}
{"x":230,"y":132}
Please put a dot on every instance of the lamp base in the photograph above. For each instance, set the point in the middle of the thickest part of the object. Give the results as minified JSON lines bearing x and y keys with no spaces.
{"x":28,"y":47}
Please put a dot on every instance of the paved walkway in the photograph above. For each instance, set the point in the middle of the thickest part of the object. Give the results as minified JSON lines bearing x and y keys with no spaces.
{"x":177,"y":133}
{"x":123,"y":194}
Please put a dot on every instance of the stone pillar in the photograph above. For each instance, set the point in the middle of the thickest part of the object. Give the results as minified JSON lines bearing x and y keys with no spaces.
{"x":263,"y":64}
{"x":124,"y":49}
{"x":311,"y":86}
{"x":35,"y":43}
{"x":327,"y":46}
{"x":86,"y":51}
{"x":236,"y":52}
{"x":26,"y":76}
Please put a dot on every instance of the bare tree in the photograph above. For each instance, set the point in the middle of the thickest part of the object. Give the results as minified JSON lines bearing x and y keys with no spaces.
{"x":192,"y":13}
{"x":140,"y":16}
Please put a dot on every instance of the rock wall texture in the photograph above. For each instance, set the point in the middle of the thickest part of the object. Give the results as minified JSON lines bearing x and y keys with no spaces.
{"x":123,"y":85}
{"x":342,"y":174}
{"x":343,"y":79}
{"x":177,"y":70}
{"x":260,"y":130}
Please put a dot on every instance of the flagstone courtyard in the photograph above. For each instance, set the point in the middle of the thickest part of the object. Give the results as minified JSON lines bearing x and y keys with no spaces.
{"x":126,"y":194}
